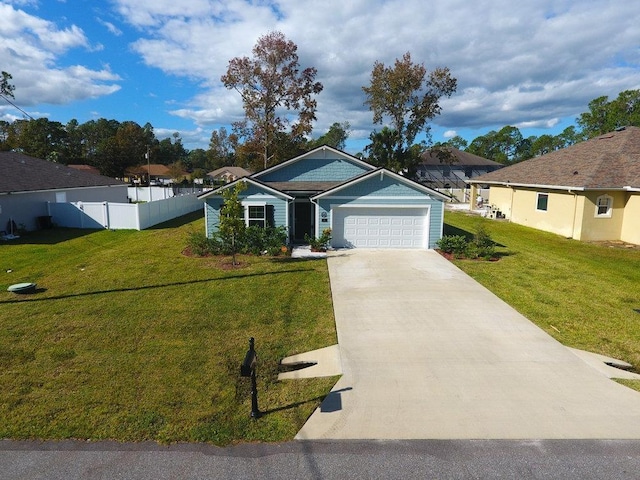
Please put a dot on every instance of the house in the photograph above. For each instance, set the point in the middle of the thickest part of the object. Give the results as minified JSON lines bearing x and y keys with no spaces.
{"x":28,"y":183}
{"x":589,"y":191}
{"x":449,"y":167}
{"x":155,"y":173}
{"x":228,"y":174}
{"x":363,"y":205}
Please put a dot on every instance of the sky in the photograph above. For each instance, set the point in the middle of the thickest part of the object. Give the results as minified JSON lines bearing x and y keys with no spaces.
{"x":533,"y":64}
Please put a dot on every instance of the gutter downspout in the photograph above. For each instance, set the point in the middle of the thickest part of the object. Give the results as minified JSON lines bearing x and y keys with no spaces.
{"x":513,"y":192}
{"x":575,"y":212}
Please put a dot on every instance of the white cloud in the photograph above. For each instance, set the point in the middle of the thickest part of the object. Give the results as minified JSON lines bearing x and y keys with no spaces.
{"x":30,"y":50}
{"x":526,"y":63}
{"x":449,"y":134}
{"x":110,"y":27}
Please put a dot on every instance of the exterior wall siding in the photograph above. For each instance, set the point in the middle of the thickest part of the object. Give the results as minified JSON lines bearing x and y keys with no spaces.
{"x":570,"y":215}
{"x":630,"y":231}
{"x":213,"y":205}
{"x":602,"y":228}
{"x":315,"y":170}
{"x":385,"y":191}
{"x":559,"y":217}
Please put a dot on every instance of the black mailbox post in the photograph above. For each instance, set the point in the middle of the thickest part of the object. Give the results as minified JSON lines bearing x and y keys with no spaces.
{"x":248,"y":369}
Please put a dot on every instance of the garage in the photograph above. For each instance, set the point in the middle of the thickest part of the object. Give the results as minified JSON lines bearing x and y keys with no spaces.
{"x":381,"y":227}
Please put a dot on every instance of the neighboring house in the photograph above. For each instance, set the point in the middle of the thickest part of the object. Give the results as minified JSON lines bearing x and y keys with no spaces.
{"x":453,"y":170}
{"x":28,"y":183}
{"x":589,"y":191}
{"x":155,"y":173}
{"x":228,"y":174}
{"x":363,"y":205}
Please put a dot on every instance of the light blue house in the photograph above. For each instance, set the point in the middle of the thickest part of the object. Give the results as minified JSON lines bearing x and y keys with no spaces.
{"x":364,"y":206}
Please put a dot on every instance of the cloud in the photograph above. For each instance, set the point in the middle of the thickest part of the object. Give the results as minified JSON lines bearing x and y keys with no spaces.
{"x":528,"y":63}
{"x":30,"y":50}
{"x":110,"y":27}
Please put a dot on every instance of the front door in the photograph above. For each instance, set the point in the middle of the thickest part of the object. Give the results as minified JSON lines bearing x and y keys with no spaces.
{"x":302,"y":220}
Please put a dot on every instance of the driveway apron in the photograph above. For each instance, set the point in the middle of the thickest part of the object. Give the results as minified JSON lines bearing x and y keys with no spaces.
{"x":428,"y":353}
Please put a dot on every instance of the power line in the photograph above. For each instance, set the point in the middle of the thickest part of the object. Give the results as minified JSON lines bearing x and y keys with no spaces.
{"x":11,"y":103}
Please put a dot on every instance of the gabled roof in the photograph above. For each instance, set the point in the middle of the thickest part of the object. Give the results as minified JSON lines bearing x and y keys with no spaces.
{"x":235,"y":171}
{"x":458,"y":158}
{"x":155,"y":169}
{"x":22,"y":173}
{"x":610,"y":161}
{"x":380,"y":171}
{"x":325,"y":148}
{"x":251,"y":181}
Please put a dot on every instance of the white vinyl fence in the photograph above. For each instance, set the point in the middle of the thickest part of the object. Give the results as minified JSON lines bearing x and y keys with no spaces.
{"x":121,"y":216}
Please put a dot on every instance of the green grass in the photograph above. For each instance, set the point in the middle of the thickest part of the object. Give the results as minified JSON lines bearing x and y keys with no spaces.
{"x":128,"y":339}
{"x":585,"y":295}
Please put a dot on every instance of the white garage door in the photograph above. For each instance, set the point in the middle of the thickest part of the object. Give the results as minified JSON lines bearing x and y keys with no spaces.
{"x":380,"y":227}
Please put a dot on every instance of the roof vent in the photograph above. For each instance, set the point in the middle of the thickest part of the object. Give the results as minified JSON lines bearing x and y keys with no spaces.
{"x":575,"y":172}
{"x":621,"y":129}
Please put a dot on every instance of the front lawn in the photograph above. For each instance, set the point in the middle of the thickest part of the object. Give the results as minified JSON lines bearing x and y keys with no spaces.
{"x":129,"y":339}
{"x":585,"y":295}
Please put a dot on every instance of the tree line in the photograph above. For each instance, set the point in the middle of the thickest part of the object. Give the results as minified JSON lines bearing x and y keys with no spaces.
{"x":279,"y":102}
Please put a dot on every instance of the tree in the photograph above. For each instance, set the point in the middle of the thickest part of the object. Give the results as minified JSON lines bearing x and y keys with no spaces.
{"x":6,"y":88}
{"x":335,"y":137}
{"x":605,"y":116}
{"x":222,"y":149}
{"x":504,"y":146}
{"x":41,"y":138}
{"x":232,"y":218}
{"x":272,"y":87}
{"x":408,"y":96}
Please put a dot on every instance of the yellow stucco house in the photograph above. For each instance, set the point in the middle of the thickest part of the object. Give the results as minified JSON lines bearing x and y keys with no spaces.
{"x":589,"y":191}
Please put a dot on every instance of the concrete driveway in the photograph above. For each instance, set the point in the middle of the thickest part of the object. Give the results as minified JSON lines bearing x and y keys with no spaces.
{"x":428,"y":353}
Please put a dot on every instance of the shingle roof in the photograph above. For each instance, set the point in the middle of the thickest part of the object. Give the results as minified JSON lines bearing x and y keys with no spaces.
{"x":235,"y":171}
{"x":22,"y":173}
{"x":155,"y":169}
{"x":459,"y":157}
{"x":608,"y":161}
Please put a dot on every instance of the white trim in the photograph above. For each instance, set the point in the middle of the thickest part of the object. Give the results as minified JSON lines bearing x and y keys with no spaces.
{"x":538,"y":201}
{"x":323,"y":148}
{"x":374,"y":197}
{"x":383,"y":172}
{"x":248,"y":204}
{"x":609,"y":206}
{"x":426,"y":208}
{"x":377,"y":205}
{"x":256,"y":183}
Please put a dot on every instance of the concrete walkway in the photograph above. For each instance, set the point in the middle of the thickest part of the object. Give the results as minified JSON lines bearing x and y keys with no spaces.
{"x":428,"y":353}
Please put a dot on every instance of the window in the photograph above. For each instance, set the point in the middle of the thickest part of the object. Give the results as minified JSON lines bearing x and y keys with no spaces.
{"x":604,"y":206}
{"x":542,"y":201}
{"x":256,"y":215}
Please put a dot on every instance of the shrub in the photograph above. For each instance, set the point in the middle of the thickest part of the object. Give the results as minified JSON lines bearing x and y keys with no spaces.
{"x":199,"y":244}
{"x":454,"y":244}
{"x":485,"y":246}
{"x":252,"y":240}
{"x":321,"y":243}
{"x":481,"y":246}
